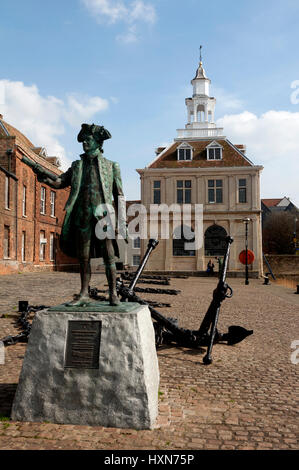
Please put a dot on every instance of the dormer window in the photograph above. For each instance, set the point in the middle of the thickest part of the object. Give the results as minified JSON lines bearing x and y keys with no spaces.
{"x":185,"y":152}
{"x":214,"y":151}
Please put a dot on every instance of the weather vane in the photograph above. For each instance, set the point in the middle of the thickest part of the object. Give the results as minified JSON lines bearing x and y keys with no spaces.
{"x":200,"y":58}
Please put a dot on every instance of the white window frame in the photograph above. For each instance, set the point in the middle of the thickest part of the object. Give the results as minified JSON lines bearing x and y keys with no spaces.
{"x":155,"y":191}
{"x":7,"y":192}
{"x":242,"y":187}
{"x":52,"y":202}
{"x":23,"y":247}
{"x":24,"y":200}
{"x":136,"y":240}
{"x":6,"y":255}
{"x":183,"y":147}
{"x":52,"y":253}
{"x":43,"y":200}
{"x":134,"y":256}
{"x":42,"y":245}
{"x":212,"y":147}
{"x":214,"y":188}
{"x":184,"y":189}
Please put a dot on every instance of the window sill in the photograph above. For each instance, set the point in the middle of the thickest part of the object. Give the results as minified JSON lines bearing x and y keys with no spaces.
{"x":7,"y":208}
{"x":185,"y":257}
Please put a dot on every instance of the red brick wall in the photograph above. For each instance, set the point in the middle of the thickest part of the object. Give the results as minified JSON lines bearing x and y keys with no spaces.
{"x":7,"y":162}
{"x":33,"y":222}
{"x":8,"y":218}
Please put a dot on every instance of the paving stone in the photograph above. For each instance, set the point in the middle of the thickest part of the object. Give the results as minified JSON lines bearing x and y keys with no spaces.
{"x":247,"y":399}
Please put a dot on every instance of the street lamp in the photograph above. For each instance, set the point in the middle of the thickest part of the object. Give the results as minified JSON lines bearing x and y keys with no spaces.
{"x":246,"y":222}
{"x":295,"y":234}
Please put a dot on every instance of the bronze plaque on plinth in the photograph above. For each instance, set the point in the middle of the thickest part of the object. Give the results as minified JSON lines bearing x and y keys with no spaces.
{"x":83,"y":344}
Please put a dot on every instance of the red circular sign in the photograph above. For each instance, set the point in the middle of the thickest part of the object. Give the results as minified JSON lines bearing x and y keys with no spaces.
{"x":250,"y":257}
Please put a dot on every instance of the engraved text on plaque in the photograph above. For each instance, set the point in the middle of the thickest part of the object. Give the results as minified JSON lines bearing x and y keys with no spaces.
{"x":83,"y":344}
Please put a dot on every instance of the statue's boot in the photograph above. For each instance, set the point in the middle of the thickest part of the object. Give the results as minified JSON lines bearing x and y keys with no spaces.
{"x":111,"y":277}
{"x":80,"y":300}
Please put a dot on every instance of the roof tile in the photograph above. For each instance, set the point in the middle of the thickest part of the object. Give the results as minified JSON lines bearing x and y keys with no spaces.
{"x":231,"y":157}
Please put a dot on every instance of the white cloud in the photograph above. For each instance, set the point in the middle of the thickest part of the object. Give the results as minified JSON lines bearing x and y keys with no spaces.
{"x":142,"y":12}
{"x":122,"y":11}
{"x":106,"y":9}
{"x":129,"y":37}
{"x":272,"y":140}
{"x":78,"y":111}
{"x":43,"y":119}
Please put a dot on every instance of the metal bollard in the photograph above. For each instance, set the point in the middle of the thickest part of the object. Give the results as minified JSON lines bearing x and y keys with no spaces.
{"x":297,"y":289}
{"x":266,"y":281}
{"x":23,"y":305}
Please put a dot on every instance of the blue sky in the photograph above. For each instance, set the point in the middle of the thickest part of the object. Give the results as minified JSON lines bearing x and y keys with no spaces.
{"x":127,"y":64}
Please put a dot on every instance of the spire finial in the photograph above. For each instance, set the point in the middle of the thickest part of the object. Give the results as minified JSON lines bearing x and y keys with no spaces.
{"x":200,"y":57}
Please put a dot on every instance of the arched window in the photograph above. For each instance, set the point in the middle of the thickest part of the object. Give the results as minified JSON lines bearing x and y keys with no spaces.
{"x":200,"y":113}
{"x":215,"y":244}
{"x":182,"y":236}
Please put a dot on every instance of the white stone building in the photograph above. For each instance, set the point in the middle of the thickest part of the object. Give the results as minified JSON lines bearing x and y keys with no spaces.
{"x":201,"y":166}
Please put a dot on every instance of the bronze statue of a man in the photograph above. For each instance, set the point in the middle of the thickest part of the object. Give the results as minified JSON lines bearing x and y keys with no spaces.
{"x":93,"y":181}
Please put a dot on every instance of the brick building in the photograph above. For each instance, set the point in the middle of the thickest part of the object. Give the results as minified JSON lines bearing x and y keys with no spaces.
{"x":283,"y":204}
{"x":31,"y":213}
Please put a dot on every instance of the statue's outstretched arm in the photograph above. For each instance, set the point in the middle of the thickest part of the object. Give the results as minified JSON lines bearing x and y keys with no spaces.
{"x":47,"y":177}
{"x":62,"y":181}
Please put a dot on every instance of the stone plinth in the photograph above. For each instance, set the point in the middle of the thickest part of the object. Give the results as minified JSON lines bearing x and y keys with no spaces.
{"x":90,"y":367}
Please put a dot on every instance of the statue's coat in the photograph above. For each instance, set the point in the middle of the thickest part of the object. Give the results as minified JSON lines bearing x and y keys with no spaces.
{"x":110,"y":181}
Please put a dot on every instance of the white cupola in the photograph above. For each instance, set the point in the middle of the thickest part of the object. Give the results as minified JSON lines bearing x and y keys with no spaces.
{"x":200,"y":109}
{"x":201,"y":83}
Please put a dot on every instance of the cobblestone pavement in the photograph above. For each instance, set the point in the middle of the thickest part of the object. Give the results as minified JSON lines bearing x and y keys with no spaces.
{"x":247,"y":399}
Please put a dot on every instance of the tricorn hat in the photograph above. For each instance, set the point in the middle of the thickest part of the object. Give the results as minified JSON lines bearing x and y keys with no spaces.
{"x":99,"y":132}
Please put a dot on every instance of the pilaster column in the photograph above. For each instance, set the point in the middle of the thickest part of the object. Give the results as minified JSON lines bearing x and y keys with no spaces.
{"x":206,"y":114}
{"x":189,"y":114}
{"x":254,"y":192}
{"x":235,"y":247}
{"x":195,"y":111}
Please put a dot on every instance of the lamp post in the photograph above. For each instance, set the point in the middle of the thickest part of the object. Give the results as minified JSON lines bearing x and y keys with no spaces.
{"x":246,"y":222}
{"x":295,"y":234}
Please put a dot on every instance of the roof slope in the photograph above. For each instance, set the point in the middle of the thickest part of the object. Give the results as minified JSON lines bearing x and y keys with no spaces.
{"x":231,"y":157}
{"x":13,"y":132}
{"x":271,"y":202}
{"x":7,"y":130}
